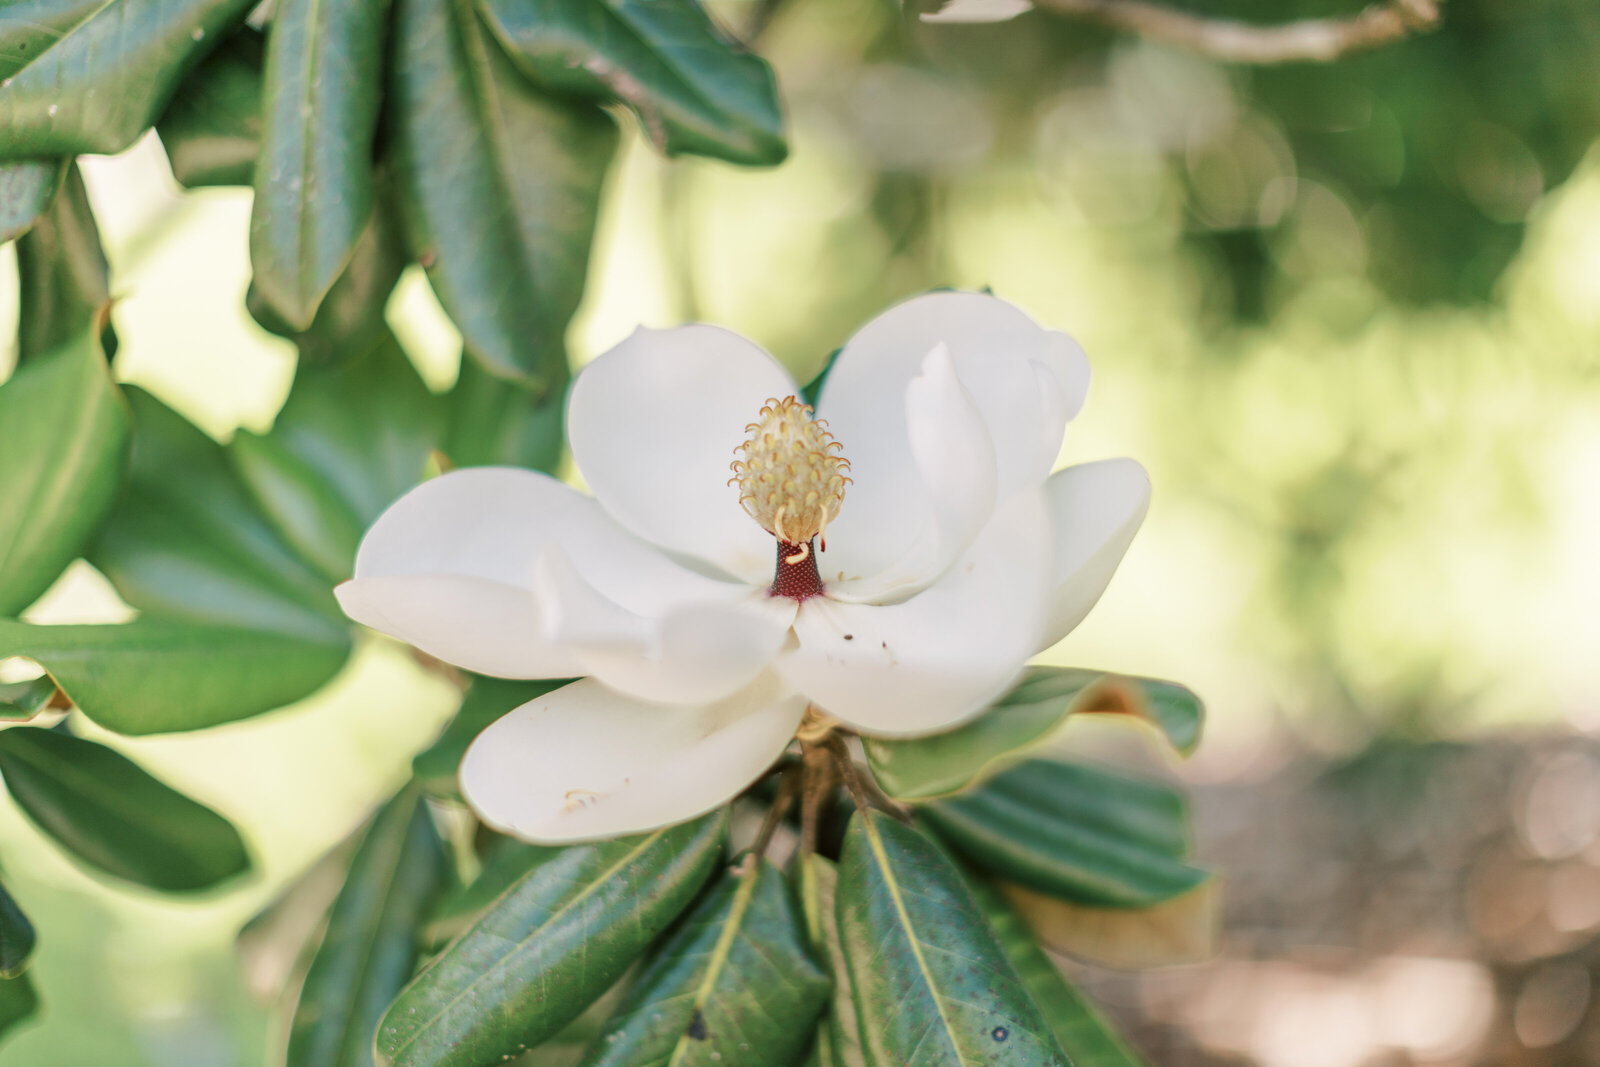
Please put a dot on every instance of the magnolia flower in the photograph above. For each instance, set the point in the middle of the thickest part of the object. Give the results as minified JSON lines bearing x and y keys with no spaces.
{"x":893,"y":566}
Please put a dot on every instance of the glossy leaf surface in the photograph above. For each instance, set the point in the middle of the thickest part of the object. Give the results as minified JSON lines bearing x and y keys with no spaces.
{"x":495,"y":422}
{"x":24,"y":700}
{"x":943,"y":764}
{"x":693,"y":87}
{"x":1087,"y":1038}
{"x":548,"y":948}
{"x":371,"y":944}
{"x":153,"y":675}
{"x":933,"y":986}
{"x":16,"y":937}
{"x":26,"y":189}
{"x":89,"y":76}
{"x":734,"y":984}
{"x":313,"y":178}
{"x":505,"y":862}
{"x":1074,"y":831}
{"x":486,"y":700}
{"x":65,"y":283}
{"x":66,"y":440}
{"x":499,"y":187}
{"x":838,"y":1040}
{"x":352,"y":437}
{"x":110,"y":813}
{"x":194,"y":546}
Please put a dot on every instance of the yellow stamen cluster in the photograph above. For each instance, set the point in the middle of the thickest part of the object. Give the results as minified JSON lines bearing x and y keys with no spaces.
{"x":790,"y":472}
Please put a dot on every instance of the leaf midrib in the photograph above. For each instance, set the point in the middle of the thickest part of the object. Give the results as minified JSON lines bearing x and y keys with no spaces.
{"x":720,"y":952}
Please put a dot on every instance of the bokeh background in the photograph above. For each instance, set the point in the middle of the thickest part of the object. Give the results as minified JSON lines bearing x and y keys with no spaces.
{"x":1348,"y":315}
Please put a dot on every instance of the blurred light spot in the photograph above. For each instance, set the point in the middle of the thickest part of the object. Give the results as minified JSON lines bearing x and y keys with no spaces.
{"x":1109,"y":173}
{"x":1552,"y":1003}
{"x":1171,"y":98}
{"x":1229,"y":175}
{"x":1499,"y":174}
{"x":1560,"y":810}
{"x":1313,"y":1020}
{"x":424,"y":330}
{"x":1573,"y":898}
{"x":81,"y":595}
{"x":913,"y":120}
{"x":978,"y":11}
{"x":1321,"y":236}
{"x":18,"y":669}
{"x":1437,"y":1009}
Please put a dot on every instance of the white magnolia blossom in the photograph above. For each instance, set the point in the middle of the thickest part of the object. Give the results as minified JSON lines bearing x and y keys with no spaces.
{"x":894,"y":566}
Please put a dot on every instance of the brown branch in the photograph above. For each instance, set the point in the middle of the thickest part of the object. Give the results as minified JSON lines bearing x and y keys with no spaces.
{"x":1308,"y":40}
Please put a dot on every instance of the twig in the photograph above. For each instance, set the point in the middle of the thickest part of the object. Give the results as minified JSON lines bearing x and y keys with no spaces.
{"x":1308,"y":40}
{"x":863,"y":790}
{"x":820,"y":780}
{"x":788,"y":786}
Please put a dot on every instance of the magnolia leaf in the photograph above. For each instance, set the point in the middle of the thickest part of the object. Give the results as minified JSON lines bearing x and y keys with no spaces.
{"x":932,"y":984}
{"x":1074,"y":831}
{"x":496,"y":422}
{"x":370,"y":947}
{"x":1181,"y":930}
{"x":278,"y":942}
{"x":153,"y":675}
{"x":90,"y":76}
{"x":350,"y":321}
{"x":26,"y":189}
{"x":16,"y":937}
{"x":187,"y":541}
{"x":110,"y":813}
{"x":66,"y":441}
{"x":313,"y":178}
{"x":926,"y":767}
{"x":838,"y":1039}
{"x":549,"y":946}
{"x":487,"y":699}
{"x":18,"y":1002}
{"x":506,"y":861}
{"x":732,"y":985}
{"x":212,"y":131}
{"x":693,"y":87}
{"x":20,"y":701}
{"x":352,"y":437}
{"x":64,"y":277}
{"x":1087,"y":1038}
{"x":499,"y":187}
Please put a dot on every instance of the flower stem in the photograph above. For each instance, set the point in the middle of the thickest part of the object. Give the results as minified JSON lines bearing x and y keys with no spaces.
{"x":788,"y":788}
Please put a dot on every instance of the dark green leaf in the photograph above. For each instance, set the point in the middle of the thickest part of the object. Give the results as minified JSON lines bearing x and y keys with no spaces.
{"x":551,"y":945}
{"x":506,"y":862}
{"x":352,"y":437}
{"x":926,"y":767}
{"x":733,"y":985}
{"x":499,"y":188}
{"x":154,"y":675}
{"x":351,"y":319}
{"x":692,"y":86}
{"x":313,"y":178}
{"x":933,"y":986}
{"x":16,"y":937}
{"x":187,"y":542}
{"x":371,"y":946}
{"x":18,"y":1002}
{"x":24,"y":700}
{"x":212,"y":131}
{"x":496,"y":422}
{"x":487,"y":699}
{"x":1076,"y":832}
{"x":89,"y":76}
{"x":1088,"y":1039}
{"x":64,"y":282}
{"x":26,"y":189}
{"x":109,"y":812}
{"x":66,"y":440}
{"x":838,"y":1040}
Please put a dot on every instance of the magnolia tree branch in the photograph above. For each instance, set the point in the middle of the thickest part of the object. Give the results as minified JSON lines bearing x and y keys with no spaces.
{"x":1308,"y":40}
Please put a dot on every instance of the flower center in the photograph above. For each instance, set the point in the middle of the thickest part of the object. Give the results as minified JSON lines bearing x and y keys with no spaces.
{"x":791,"y":479}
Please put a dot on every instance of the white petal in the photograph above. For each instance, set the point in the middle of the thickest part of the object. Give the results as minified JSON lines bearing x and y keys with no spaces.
{"x":954,"y":460}
{"x":1095,"y":509}
{"x":450,"y":567}
{"x":583,"y":762}
{"x":945,"y":654}
{"x":978,"y":11}
{"x":653,"y":425}
{"x":693,"y":654}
